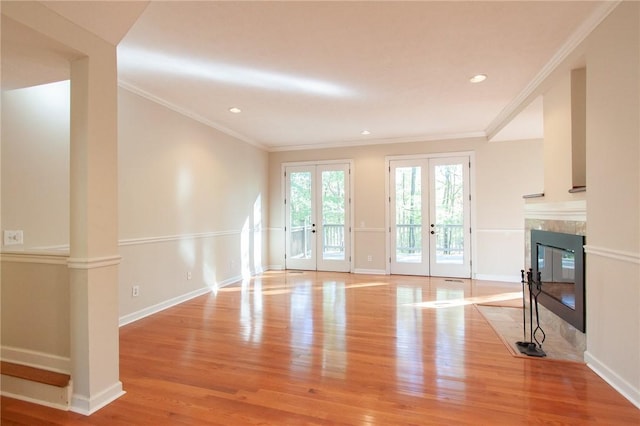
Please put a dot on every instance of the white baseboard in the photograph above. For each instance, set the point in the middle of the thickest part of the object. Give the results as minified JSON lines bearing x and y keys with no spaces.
{"x":500,"y":278}
{"x":41,"y":360}
{"x":135,"y":316}
{"x":275,"y":268}
{"x":625,"y":388}
{"x":36,"y":393}
{"x":150,"y":310}
{"x":370,"y":271}
{"x":82,"y":405}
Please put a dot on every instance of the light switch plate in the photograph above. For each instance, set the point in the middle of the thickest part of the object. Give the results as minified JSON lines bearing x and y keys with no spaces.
{"x":12,"y":238}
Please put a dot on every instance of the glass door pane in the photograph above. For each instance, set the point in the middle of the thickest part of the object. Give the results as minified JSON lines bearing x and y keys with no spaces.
{"x":450,"y":217}
{"x":408,"y":202}
{"x":333,"y":215}
{"x":300,"y":218}
{"x":408,"y":215}
{"x":449,"y":213}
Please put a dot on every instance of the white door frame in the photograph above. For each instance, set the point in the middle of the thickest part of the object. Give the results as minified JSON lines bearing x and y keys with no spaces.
{"x":472,"y":191}
{"x":351,"y":200}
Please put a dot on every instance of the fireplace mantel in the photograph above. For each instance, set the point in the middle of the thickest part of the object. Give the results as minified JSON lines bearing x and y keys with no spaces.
{"x":575,"y":211}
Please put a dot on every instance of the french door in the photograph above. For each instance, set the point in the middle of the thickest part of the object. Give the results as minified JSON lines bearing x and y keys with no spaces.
{"x":429,"y":212}
{"x":317,"y":225}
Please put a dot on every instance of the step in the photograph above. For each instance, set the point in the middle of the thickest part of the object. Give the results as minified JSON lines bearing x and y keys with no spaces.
{"x":33,"y":374}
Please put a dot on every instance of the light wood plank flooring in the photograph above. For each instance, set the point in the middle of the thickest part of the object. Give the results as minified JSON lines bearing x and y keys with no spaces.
{"x":312,"y":348}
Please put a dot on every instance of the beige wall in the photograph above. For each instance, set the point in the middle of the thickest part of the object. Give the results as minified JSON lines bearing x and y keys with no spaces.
{"x":35,"y":199}
{"x":558,"y":148}
{"x":192,"y":200}
{"x":35,"y":164}
{"x":35,"y":310}
{"x":613,"y":189}
{"x":499,"y":182}
{"x":557,"y":140}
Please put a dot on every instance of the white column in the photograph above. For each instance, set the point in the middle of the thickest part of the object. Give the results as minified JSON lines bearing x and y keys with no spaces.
{"x":94,"y":255}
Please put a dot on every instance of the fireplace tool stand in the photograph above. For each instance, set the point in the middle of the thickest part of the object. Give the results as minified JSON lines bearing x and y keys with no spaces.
{"x":532,"y":347}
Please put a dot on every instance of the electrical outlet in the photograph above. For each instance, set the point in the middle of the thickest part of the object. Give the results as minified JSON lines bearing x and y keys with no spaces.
{"x":135,"y":291}
{"x":13,"y":238}
{"x":189,"y":275}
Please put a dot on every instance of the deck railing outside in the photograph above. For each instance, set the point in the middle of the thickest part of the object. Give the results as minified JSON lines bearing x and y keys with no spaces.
{"x":449,"y":239}
{"x":333,"y":238}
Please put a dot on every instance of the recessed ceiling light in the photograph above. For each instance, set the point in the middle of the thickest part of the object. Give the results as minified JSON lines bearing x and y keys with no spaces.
{"x":365,"y":132}
{"x":478,"y":78}
{"x":235,"y":110}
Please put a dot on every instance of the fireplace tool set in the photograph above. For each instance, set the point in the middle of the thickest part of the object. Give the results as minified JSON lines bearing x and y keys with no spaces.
{"x":532,"y":347}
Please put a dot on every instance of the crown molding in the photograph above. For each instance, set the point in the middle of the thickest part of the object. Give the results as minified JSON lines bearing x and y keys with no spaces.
{"x":183,"y":111}
{"x":383,"y":141}
{"x":519,"y":102}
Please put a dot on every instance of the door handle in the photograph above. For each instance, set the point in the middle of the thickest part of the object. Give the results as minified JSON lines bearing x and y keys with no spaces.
{"x":433,"y":232}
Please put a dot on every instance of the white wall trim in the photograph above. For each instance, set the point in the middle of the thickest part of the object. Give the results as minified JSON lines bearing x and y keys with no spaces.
{"x":150,"y":310}
{"x":526,"y":95}
{"x":87,"y":406}
{"x":623,"y":256}
{"x":36,"y":359}
{"x":369,"y":230}
{"x":182,"y":111}
{"x":180,"y":237}
{"x":383,"y":141}
{"x":93,"y":262}
{"x":37,"y":401}
{"x":275,"y":268}
{"x":427,"y":156}
{"x":61,"y":248}
{"x":35,"y":257}
{"x":44,"y":251}
{"x":36,"y":393}
{"x":370,"y":271}
{"x":499,"y":231}
{"x":568,"y":210}
{"x":500,"y":278}
{"x":618,"y":383}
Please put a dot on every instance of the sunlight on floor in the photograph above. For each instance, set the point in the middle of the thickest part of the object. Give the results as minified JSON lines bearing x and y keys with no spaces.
{"x":438,"y":304}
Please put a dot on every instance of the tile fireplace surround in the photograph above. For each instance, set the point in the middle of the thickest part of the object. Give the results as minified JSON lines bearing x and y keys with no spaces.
{"x":569,"y":217}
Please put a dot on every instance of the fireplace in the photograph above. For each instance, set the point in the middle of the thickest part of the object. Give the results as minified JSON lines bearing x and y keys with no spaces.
{"x":559,"y":258}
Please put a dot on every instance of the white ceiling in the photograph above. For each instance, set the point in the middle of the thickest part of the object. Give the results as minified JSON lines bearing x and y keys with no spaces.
{"x":313,"y":74}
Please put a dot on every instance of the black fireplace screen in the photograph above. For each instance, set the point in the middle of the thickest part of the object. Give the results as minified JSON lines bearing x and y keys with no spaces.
{"x":560,"y":260}
{"x":557,"y":268}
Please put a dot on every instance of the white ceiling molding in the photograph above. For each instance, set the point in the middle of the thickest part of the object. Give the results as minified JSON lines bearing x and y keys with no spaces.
{"x":382,"y":141}
{"x":153,"y":98}
{"x":523,"y":99}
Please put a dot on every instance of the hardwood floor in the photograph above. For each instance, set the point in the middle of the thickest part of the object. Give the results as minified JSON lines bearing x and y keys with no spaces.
{"x":327,"y":349}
